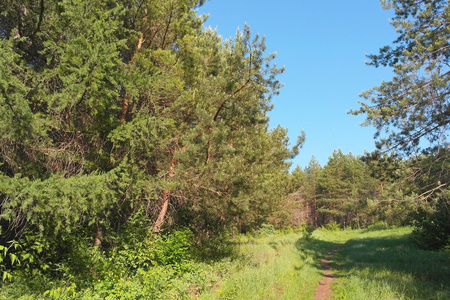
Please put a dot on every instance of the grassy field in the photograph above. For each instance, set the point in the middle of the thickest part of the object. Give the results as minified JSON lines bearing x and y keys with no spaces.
{"x":275,"y":268}
{"x":370,"y":264}
{"x":376,"y":263}
{"x":381,"y":264}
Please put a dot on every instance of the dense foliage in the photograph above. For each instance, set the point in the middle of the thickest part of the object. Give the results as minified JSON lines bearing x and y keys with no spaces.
{"x":120,"y":111}
{"x":412,"y":110}
{"x":354,"y":192}
{"x":134,"y":142}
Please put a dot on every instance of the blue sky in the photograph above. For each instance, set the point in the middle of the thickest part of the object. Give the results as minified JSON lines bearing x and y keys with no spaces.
{"x":323,"y":45}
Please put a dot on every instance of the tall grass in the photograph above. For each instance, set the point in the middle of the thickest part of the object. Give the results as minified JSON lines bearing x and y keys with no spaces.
{"x":382,"y":264}
{"x":375,"y":263}
{"x":276,"y":267}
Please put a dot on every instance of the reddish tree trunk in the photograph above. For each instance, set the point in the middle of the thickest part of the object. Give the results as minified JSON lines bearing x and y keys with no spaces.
{"x":126,"y":101}
{"x":165,"y":197}
{"x":160,"y":221}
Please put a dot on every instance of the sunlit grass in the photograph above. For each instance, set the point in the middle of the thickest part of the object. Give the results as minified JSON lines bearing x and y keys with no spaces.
{"x":382,"y":264}
{"x":275,"y":268}
{"x":371,"y":264}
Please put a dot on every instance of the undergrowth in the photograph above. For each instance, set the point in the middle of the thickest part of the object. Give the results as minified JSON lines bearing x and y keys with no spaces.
{"x":372,"y":263}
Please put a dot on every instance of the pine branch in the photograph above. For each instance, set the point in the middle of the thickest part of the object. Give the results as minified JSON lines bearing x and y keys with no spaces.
{"x":41,"y":15}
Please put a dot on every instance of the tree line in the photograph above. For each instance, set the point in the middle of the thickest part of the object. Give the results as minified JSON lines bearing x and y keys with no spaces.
{"x":357,"y":191}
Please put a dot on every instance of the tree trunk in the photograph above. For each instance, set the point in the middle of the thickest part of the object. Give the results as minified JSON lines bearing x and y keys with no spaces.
{"x":165,"y":197}
{"x":160,"y":221}
{"x":99,"y":236}
{"x":126,"y":101}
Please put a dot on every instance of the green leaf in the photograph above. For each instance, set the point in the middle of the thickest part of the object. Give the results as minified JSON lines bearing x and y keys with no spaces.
{"x":13,"y":258}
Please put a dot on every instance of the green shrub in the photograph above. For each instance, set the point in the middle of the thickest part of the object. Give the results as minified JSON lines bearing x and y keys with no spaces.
{"x":24,"y":255}
{"x":332,"y":226}
{"x":175,"y":249}
{"x":266,"y":229}
{"x":307,"y":233}
{"x":432,"y":228}
{"x":220,"y":245}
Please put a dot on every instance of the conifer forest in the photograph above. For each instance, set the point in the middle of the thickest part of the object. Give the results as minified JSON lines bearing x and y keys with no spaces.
{"x":135,"y":148}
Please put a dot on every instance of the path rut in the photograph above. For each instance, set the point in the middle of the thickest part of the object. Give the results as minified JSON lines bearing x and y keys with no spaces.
{"x":323,"y":290}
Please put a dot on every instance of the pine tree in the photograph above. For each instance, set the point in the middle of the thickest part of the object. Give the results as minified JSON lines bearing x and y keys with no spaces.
{"x":415,"y":101}
{"x":112,"y":110}
{"x":313,"y":172}
{"x":344,"y":187}
{"x":411,"y":112}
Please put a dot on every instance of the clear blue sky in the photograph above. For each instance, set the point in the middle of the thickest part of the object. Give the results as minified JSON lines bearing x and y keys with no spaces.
{"x":323,"y":45}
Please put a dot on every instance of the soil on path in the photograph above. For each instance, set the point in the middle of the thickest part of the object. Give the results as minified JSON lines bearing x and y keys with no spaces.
{"x":323,"y":290}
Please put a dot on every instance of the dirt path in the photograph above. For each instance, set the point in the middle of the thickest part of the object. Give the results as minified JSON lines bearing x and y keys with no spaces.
{"x":323,"y":290}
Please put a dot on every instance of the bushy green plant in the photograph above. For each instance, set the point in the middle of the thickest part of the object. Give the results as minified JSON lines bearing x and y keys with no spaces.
{"x":62,"y":292}
{"x":22,"y":255}
{"x":175,"y":249}
{"x":307,"y":232}
{"x":379,"y":225}
{"x":432,"y":229}
{"x":266,"y":229}
{"x":332,"y":226}
{"x":4,"y":256}
{"x":219,"y":246}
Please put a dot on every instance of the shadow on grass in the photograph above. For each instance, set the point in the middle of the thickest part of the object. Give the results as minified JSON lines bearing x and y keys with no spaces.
{"x":392,"y":262}
{"x":316,"y":249}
